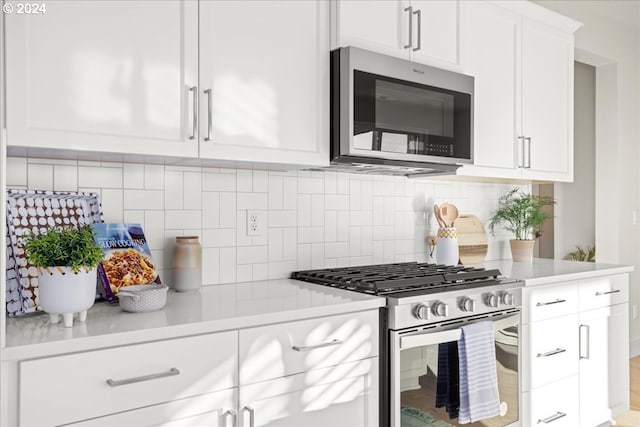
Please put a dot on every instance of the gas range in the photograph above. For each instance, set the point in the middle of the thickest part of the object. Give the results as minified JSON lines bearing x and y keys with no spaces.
{"x":421,"y":294}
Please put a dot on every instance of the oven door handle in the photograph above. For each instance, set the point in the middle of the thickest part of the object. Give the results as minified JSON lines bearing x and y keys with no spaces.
{"x":430,"y":337}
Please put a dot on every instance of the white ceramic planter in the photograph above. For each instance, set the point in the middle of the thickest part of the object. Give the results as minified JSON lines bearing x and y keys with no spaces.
{"x":63,"y":292}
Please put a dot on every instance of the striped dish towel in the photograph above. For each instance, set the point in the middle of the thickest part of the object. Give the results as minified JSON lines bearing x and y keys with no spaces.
{"x":479,"y":398}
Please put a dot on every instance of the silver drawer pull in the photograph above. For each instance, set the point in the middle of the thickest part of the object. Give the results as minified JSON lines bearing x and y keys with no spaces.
{"x":233,"y":415}
{"x":551,"y":353}
{"x":552,"y":418}
{"x":116,"y":383}
{"x":558,"y":301}
{"x":313,"y":347}
{"x":613,"y":291}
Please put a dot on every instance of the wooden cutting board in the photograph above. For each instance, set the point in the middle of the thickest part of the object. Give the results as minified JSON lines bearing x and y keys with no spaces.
{"x":472,"y":240}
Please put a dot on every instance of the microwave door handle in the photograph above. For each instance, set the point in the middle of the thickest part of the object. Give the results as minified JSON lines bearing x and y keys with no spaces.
{"x":410,"y":10}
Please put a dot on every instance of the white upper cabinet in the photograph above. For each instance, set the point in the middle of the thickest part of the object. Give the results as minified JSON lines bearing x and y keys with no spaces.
{"x":523,"y":69}
{"x":264,"y":81}
{"x":89,"y":76}
{"x":422,"y":31}
{"x":547,"y":102}
{"x":490,"y":51}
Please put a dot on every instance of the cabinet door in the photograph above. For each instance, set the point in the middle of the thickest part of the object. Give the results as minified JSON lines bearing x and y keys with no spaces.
{"x":265,"y":69}
{"x":381,"y":26}
{"x":547,"y":102}
{"x":490,"y":50}
{"x":103,"y":76}
{"x":211,"y":410}
{"x":435,"y":32}
{"x":340,"y":396}
{"x":604,"y":364}
{"x":556,"y":404}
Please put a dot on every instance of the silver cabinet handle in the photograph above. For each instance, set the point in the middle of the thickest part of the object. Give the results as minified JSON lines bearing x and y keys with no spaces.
{"x":613,"y":291}
{"x":521,"y":157}
{"x":252,"y":414}
{"x":551,"y":353}
{"x":194,"y":128}
{"x":231,"y":413}
{"x":586,"y":328}
{"x":209,"y":114}
{"x":419,"y":14}
{"x":558,"y":301}
{"x":116,"y":383}
{"x":552,"y":418}
{"x":410,"y":10}
{"x":313,"y":347}
{"x":527,"y":139}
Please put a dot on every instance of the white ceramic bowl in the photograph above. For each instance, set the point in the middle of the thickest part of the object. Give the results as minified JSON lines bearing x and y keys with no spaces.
{"x":142,"y":298}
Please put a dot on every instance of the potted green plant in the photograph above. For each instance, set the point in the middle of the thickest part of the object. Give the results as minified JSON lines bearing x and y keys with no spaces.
{"x":522,"y":214}
{"x":66,"y":259}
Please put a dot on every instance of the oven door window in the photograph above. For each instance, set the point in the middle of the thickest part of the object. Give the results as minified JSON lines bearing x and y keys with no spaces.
{"x":429,"y":390}
{"x":396,"y":116}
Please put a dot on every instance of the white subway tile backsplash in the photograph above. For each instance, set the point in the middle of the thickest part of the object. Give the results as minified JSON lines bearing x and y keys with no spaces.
{"x":183,"y":219}
{"x":133,"y":176}
{"x":65,"y":178}
{"x":311,"y":219}
{"x":16,"y":172}
{"x":144,"y":199}
{"x":173,"y":190}
{"x":192,"y":198}
{"x":40,"y":177}
{"x":99,"y":177}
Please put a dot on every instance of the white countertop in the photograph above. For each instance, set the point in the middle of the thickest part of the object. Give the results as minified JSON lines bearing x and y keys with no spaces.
{"x":212,"y":309}
{"x":544,"y":271}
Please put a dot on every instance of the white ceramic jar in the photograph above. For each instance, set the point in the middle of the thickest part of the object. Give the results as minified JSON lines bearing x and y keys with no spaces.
{"x":187,"y":264}
{"x":447,"y":251}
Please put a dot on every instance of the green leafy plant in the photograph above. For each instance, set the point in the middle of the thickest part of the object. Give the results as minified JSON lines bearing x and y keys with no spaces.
{"x":521,"y":213}
{"x":587,"y":254}
{"x":64,"y":246}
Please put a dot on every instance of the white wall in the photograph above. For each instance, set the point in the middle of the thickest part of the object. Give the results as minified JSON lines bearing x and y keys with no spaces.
{"x":312,"y":219}
{"x":574,"y":216}
{"x":613,"y":46}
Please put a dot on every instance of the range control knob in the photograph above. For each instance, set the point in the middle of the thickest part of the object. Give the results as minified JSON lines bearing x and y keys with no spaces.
{"x":421,"y":311}
{"x":492,"y":301}
{"x":468,"y":305}
{"x":440,"y":309}
{"x":508,"y":298}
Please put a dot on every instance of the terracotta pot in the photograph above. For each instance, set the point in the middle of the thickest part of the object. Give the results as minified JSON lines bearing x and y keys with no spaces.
{"x":63,"y":292}
{"x":522,"y":250}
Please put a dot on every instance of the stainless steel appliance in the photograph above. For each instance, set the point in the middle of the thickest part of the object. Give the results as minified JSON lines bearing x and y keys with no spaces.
{"x":393,"y":116}
{"x":426,"y":306}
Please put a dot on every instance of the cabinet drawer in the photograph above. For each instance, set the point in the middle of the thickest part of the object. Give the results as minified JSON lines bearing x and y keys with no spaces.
{"x":603,"y":291}
{"x":545,"y":302}
{"x":556,"y":404}
{"x":550,"y":349}
{"x":69,"y":388}
{"x":291,"y":348}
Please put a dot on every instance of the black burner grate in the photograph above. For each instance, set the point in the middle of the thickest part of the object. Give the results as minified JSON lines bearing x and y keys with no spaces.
{"x":386,"y":279}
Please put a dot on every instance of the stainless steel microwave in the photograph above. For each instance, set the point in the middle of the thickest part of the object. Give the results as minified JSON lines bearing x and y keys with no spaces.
{"x":390,"y":115}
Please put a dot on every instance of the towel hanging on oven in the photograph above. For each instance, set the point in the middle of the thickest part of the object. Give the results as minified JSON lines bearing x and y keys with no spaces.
{"x":479,"y":397}
{"x":447,"y":388}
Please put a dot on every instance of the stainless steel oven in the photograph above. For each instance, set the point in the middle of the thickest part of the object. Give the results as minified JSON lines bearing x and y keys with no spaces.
{"x":414,"y":362}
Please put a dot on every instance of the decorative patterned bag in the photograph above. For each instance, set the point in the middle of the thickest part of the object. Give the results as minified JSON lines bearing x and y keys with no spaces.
{"x":30,"y":210}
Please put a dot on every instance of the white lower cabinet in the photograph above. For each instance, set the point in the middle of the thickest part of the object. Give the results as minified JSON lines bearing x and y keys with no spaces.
{"x":317,"y":372}
{"x":211,"y":410}
{"x":576,"y":365}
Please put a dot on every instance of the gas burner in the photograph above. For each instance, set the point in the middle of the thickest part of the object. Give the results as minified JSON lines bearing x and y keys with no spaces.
{"x":401,"y":279}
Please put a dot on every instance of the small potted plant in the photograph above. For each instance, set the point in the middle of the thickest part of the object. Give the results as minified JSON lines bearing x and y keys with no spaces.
{"x":66,"y":259}
{"x":522,"y":214}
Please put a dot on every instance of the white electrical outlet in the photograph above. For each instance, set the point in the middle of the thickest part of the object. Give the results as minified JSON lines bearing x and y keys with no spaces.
{"x":254,"y":223}
{"x":634,"y":309}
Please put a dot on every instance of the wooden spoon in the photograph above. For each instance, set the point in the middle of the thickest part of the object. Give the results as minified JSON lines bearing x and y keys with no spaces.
{"x":449,"y":214}
{"x":436,"y":211}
